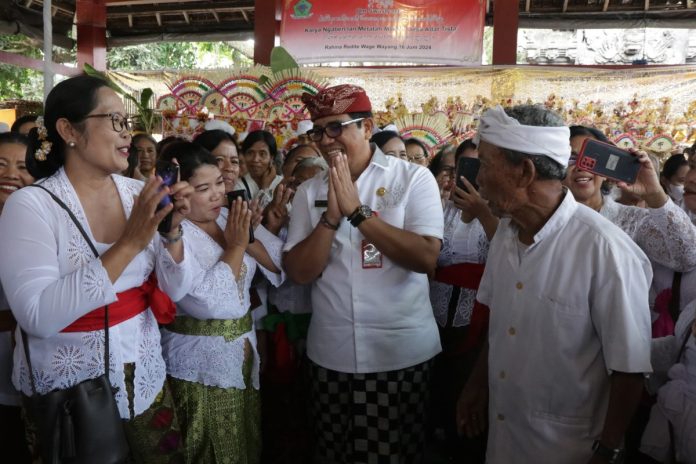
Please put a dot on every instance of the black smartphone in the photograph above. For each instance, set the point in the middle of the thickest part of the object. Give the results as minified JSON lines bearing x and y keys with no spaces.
{"x":169,"y":172}
{"x":608,"y":161}
{"x":244,"y":195}
{"x":467,"y":168}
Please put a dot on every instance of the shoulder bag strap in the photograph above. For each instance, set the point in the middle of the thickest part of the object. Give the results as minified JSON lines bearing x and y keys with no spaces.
{"x":675,"y":300}
{"x":106,"y":308}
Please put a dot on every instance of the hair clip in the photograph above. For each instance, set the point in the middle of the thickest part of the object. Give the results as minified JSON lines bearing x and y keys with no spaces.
{"x":42,"y":152}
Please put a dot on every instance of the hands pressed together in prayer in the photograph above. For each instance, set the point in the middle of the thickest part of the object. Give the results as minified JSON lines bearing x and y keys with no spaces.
{"x":343,"y":195}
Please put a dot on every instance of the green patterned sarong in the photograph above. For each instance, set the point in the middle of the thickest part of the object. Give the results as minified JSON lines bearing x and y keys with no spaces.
{"x":219,"y":425}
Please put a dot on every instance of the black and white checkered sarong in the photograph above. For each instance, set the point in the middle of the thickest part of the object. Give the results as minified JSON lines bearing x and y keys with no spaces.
{"x":376,"y":418}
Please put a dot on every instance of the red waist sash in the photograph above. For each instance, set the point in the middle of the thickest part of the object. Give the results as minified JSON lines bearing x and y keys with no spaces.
{"x":465,"y":275}
{"x":129,"y":304}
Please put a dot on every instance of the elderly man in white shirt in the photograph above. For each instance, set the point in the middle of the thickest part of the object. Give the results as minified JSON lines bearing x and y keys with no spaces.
{"x":569,"y":337}
{"x":365,"y":234}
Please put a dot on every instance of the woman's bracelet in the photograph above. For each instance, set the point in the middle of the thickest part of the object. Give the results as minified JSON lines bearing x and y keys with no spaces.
{"x":170,"y":241}
{"x":325,"y":222}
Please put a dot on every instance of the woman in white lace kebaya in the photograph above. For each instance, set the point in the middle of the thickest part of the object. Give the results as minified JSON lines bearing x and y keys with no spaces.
{"x":13,"y":176}
{"x":210,"y":348}
{"x":675,"y":357}
{"x":56,"y":287}
{"x":463,"y":323}
{"x":662,"y":230}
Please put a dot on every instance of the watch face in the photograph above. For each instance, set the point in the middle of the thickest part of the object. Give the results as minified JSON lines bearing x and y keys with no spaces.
{"x":365,"y":211}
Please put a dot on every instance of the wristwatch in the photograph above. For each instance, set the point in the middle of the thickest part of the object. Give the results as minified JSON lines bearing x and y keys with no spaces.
{"x":612,"y":455}
{"x":361,"y":213}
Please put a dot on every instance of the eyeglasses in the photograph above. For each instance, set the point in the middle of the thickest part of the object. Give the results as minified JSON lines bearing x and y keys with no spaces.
{"x":118,"y":122}
{"x":417,"y":157}
{"x":333,"y":129}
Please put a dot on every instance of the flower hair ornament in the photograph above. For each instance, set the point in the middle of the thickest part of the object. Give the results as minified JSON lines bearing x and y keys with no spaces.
{"x":42,"y":152}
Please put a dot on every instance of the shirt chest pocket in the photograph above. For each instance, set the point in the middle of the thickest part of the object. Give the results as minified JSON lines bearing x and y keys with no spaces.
{"x":393,"y":216}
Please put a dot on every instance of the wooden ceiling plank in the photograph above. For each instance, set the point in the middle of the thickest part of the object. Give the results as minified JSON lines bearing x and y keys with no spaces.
{"x":527,"y":5}
{"x":130,"y":21}
{"x":647,"y":5}
{"x":606,"y":5}
{"x":159,"y":19}
{"x":215,"y":14}
{"x":246,"y":17}
{"x":186,"y":17}
{"x":565,"y":6}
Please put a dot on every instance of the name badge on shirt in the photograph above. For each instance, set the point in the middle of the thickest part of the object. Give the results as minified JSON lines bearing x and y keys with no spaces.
{"x":371,"y":256}
{"x":321,"y":204}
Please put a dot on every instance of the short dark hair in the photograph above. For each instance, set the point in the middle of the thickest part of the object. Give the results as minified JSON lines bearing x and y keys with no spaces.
{"x":190,"y":157}
{"x":20,"y":121}
{"x":381,"y":138}
{"x":72,"y":99}
{"x":144,"y":136}
{"x":210,"y":139}
{"x":672,"y":165}
{"x":14,"y":137}
{"x":593,"y":132}
{"x":467,"y":144}
{"x":261,"y":136}
{"x":415,"y":141}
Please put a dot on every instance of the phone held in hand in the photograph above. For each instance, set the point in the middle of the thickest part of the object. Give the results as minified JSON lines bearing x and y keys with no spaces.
{"x":608,"y":161}
{"x":244,"y":195}
{"x":467,"y":168}
{"x":169,"y":173}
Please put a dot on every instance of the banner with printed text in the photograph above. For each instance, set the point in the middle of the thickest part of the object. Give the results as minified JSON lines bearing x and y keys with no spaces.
{"x":407,"y":31}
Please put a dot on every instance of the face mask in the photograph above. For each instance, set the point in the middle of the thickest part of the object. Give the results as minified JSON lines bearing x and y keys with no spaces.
{"x":676,"y":192}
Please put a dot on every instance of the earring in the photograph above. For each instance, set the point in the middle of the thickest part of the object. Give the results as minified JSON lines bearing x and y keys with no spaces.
{"x":71,"y":144}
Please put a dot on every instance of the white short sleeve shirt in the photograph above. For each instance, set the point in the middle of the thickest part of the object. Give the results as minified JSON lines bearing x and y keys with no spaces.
{"x":565,"y":312}
{"x":371,"y":319}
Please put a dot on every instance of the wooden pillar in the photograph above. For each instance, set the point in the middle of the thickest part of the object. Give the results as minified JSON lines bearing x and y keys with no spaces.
{"x":506,"y":16}
{"x":91,"y":33}
{"x":266,"y":27}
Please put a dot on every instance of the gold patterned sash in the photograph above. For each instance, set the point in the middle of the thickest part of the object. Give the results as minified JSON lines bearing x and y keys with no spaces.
{"x":230,"y":329}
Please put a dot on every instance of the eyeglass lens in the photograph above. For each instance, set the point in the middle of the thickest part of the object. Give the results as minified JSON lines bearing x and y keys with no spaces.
{"x":332,"y":129}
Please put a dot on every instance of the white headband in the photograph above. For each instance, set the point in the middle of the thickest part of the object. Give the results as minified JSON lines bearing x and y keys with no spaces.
{"x":499,"y":129}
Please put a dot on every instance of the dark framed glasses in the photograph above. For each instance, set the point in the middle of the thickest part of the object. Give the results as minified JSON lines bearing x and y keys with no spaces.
{"x":118,"y":122}
{"x":333,"y":129}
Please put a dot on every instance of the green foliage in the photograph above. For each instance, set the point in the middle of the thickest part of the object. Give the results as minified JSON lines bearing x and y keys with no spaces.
{"x":146,"y":117}
{"x":20,"y":83}
{"x":176,"y":55}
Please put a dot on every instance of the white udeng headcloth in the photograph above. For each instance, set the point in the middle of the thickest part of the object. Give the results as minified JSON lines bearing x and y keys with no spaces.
{"x":499,"y":129}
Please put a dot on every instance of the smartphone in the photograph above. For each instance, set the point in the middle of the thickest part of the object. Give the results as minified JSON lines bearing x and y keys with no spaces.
{"x":169,"y":172}
{"x":467,"y":168}
{"x":244,"y":195}
{"x":608,"y":161}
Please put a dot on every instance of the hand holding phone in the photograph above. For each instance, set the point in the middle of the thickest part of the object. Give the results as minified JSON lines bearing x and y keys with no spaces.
{"x":467,"y":168}
{"x":244,"y":195}
{"x":608,"y":161}
{"x":169,"y":173}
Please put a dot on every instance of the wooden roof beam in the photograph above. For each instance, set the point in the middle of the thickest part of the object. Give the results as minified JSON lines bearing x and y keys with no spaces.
{"x":159,"y":19}
{"x":215,"y":14}
{"x":130,"y":21}
{"x":647,"y":5}
{"x":186,"y":17}
{"x":565,"y":6}
{"x":218,"y":5}
{"x":246,"y":17}
{"x":606,"y":5}
{"x":527,"y":5}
